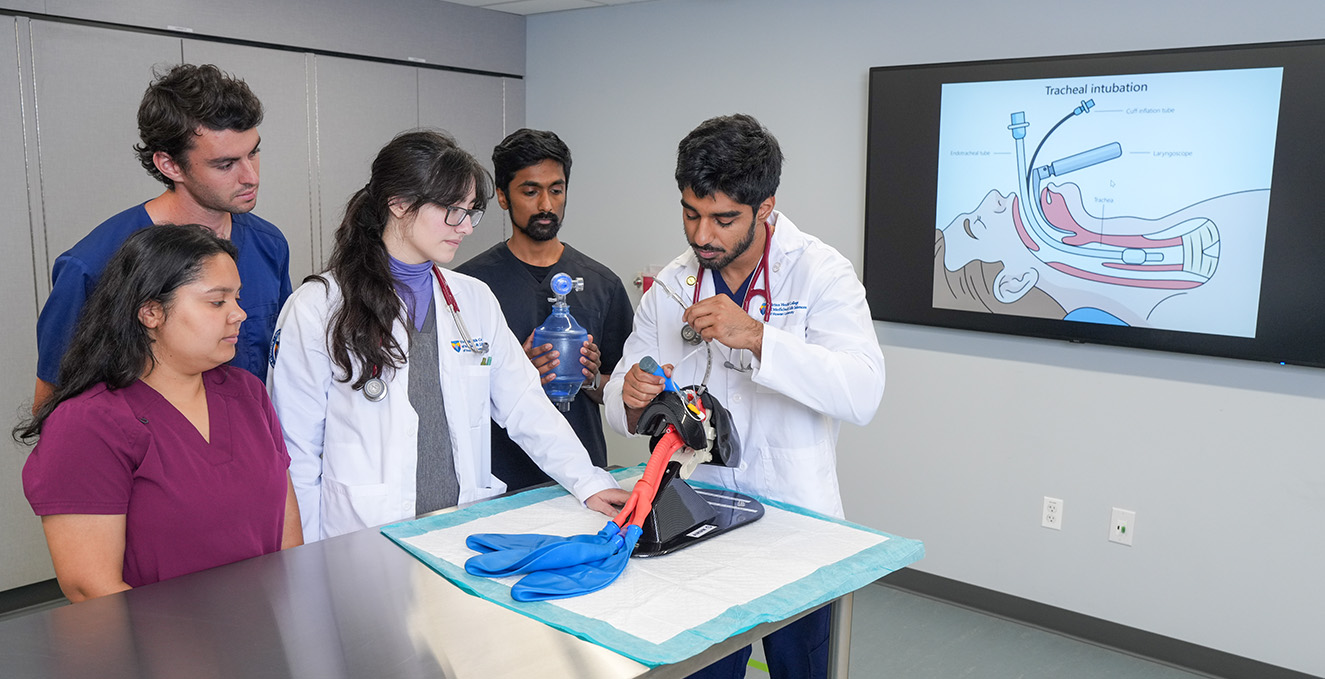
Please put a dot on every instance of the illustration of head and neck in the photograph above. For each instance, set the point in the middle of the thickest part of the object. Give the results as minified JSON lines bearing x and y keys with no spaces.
{"x":1117,"y":270}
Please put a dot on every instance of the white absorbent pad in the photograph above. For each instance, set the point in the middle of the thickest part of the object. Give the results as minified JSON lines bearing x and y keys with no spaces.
{"x":668,"y":608}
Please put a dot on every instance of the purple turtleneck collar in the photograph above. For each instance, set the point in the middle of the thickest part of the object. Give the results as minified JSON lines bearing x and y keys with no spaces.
{"x":414,"y":285}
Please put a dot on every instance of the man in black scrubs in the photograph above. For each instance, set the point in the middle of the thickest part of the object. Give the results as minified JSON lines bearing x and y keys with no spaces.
{"x":532,"y":171}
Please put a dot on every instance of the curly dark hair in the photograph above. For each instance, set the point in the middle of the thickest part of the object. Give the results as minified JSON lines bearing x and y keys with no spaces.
{"x":183,"y":99}
{"x":418,"y":167}
{"x":734,"y":155}
{"x":110,"y":344}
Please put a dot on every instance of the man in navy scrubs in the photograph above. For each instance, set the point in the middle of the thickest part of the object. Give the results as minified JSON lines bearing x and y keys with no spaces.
{"x":532,"y":170}
{"x":198,"y":128}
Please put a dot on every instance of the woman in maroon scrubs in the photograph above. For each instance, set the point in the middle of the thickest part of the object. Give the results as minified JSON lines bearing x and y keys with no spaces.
{"x":154,"y":458}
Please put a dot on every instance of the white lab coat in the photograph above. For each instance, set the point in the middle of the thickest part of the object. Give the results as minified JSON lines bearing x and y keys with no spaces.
{"x":821,"y":365}
{"x":353,"y":461}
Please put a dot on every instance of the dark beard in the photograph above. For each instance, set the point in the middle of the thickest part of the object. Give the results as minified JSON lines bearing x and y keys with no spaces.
{"x":722,"y":262}
{"x":541,"y":232}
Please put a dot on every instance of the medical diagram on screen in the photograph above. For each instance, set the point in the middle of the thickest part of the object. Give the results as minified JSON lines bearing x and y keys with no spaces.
{"x":1136,"y":200}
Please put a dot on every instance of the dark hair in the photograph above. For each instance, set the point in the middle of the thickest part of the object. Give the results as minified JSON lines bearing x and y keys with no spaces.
{"x":523,"y":148}
{"x":734,"y":155}
{"x":418,"y":167}
{"x":185,"y":98}
{"x":110,"y":344}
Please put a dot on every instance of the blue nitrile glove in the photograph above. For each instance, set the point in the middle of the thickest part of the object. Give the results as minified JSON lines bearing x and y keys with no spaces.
{"x":546,"y":552}
{"x":578,"y":580}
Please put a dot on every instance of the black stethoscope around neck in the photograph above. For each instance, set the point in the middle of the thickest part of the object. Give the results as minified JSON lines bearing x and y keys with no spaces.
{"x":691,"y":336}
{"x":375,"y":388}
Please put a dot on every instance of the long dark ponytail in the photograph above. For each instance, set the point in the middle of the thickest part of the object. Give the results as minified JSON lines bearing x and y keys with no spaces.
{"x":416,"y":168}
{"x":110,"y":344}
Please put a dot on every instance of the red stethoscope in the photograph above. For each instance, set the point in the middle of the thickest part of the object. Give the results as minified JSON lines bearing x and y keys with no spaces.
{"x":751,"y":291}
{"x":375,"y":388}
{"x":479,"y":347}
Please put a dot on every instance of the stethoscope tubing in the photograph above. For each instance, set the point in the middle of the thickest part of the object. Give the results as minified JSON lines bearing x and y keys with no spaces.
{"x":375,"y":388}
{"x":479,"y":348}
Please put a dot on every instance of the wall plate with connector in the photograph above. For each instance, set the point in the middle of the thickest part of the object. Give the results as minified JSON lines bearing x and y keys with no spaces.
{"x":1051,"y":516}
{"x":1122,"y":526}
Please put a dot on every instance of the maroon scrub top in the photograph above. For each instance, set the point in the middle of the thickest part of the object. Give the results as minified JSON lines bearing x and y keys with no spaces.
{"x":189,"y":504}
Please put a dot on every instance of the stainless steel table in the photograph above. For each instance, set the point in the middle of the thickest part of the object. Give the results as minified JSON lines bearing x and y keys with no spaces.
{"x":352,"y":606}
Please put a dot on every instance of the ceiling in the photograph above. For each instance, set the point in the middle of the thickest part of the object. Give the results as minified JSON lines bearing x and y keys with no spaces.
{"x":540,"y":6}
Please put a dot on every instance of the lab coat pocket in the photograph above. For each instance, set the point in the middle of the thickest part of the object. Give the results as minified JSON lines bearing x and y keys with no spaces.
{"x":805,"y":476}
{"x":347,"y":508}
{"x":790,"y":319}
{"x":783,"y":422}
{"x":478,"y":385}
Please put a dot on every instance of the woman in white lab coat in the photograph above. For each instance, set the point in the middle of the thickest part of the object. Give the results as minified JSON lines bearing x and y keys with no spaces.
{"x":386,"y":369}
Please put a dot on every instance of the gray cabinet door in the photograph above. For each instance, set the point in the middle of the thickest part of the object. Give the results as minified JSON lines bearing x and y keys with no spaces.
{"x":513,"y":113}
{"x":361,"y":105}
{"x":89,"y":82}
{"x":23,"y":560}
{"x":427,"y":30}
{"x":470,"y":107}
{"x":512,"y":120}
{"x":280,"y":80}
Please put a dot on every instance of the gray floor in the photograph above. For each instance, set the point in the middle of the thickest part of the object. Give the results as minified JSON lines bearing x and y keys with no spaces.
{"x":897,"y":634}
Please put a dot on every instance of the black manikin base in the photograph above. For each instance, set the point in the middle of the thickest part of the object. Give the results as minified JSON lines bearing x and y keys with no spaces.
{"x":683,"y":516}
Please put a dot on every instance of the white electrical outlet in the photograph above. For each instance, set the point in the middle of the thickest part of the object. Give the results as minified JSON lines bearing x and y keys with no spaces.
{"x":1052,"y":514}
{"x":1122,"y":526}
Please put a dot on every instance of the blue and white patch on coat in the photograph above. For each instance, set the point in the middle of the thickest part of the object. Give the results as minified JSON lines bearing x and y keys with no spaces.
{"x":461,"y":348}
{"x":787,"y":308}
{"x":275,"y":348}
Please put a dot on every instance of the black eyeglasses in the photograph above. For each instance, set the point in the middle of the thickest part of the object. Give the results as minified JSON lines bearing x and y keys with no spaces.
{"x":456,"y":214}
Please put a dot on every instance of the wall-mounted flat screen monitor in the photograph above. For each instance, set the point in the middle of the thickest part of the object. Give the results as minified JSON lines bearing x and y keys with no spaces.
{"x":1170,"y":200}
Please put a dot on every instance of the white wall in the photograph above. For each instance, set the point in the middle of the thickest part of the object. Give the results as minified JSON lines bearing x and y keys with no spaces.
{"x":1220,"y":459}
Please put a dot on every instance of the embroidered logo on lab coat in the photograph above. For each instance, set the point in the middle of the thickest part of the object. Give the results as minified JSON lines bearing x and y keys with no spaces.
{"x":275,"y":348}
{"x":461,"y":348}
{"x":786,"y":308}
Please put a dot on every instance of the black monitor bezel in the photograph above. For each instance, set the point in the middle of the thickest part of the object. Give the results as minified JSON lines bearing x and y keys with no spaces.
{"x":898,"y":263}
